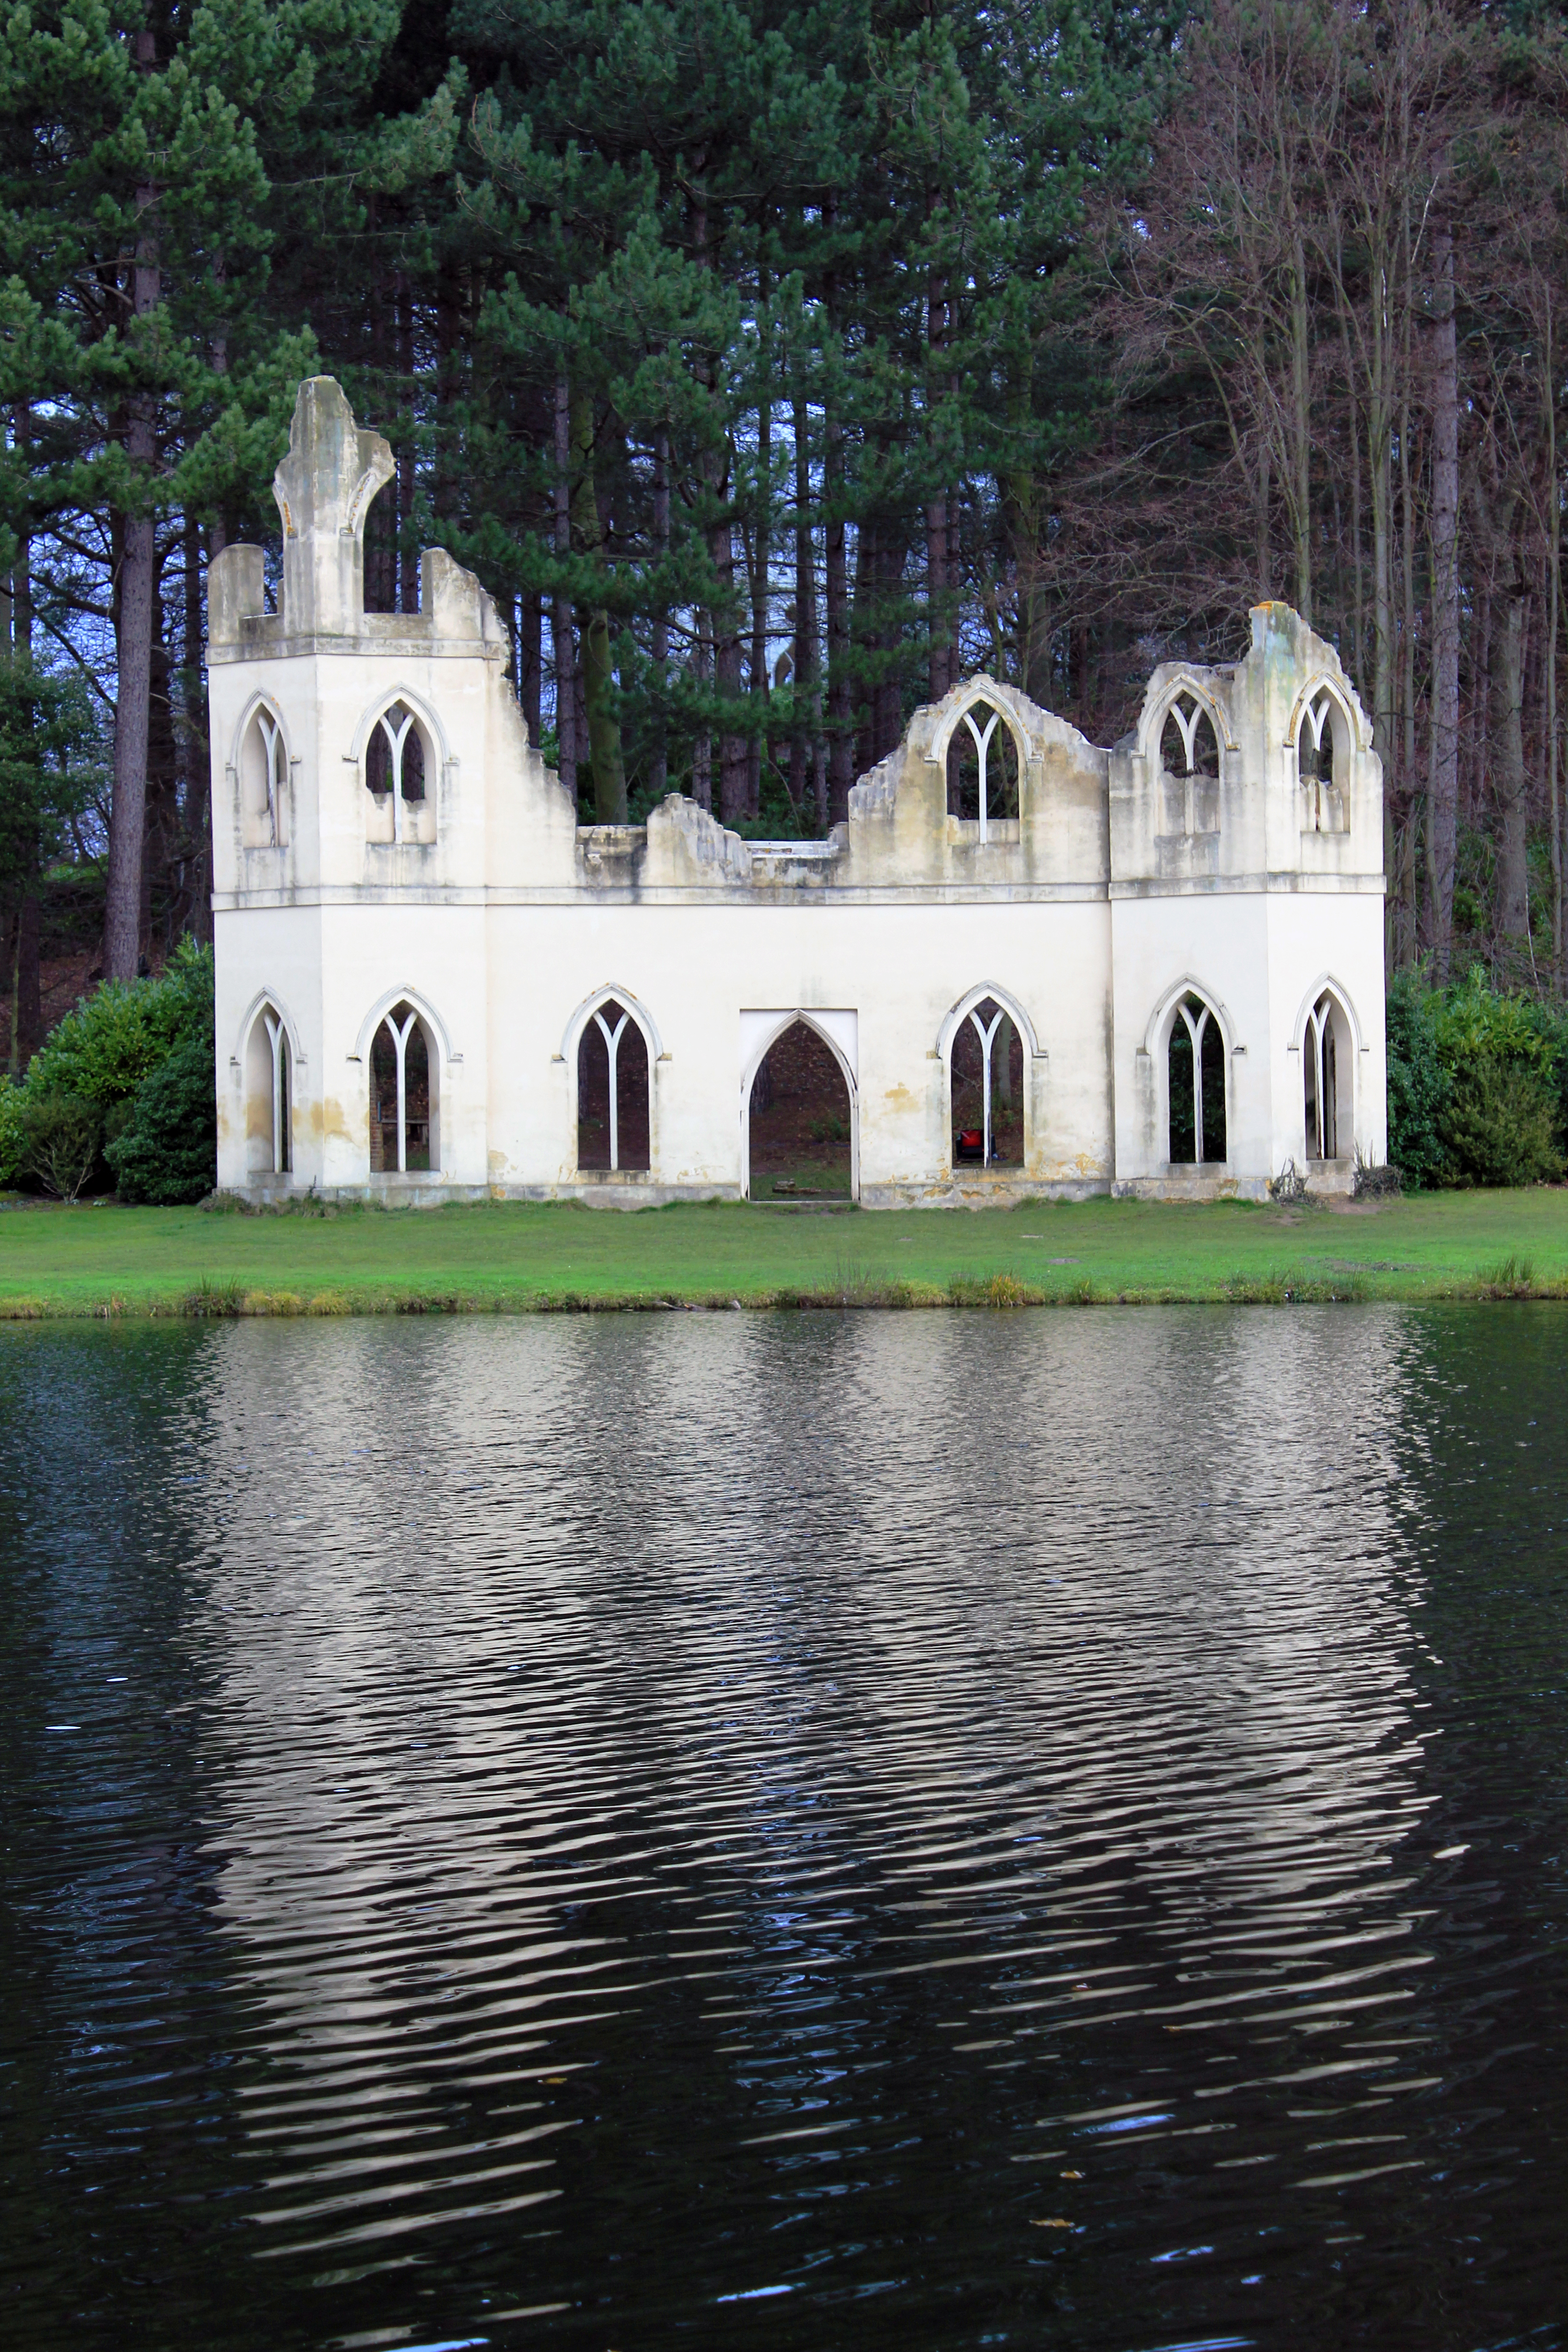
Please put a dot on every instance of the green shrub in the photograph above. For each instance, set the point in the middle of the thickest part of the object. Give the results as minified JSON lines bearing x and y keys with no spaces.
{"x":117,"y":1036}
{"x":166,"y":1153}
{"x":60,"y":1135}
{"x":1418,"y":1082}
{"x":1499,"y":1123}
{"x":11,"y":1100}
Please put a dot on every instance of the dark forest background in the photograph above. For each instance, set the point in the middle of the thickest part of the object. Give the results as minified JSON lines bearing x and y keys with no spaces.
{"x":774,"y":365}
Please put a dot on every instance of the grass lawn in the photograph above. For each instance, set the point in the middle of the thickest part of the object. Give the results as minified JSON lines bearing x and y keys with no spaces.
{"x":101,"y":1259}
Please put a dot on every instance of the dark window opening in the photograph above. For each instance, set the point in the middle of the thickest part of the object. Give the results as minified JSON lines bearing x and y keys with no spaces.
{"x":987,"y":1066}
{"x":982,"y":742}
{"x":402,"y":1123}
{"x":1197,"y":1083}
{"x":613,"y":1124}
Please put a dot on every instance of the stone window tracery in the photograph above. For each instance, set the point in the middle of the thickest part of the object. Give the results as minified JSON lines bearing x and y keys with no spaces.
{"x":405,"y":1134}
{"x":1322,"y":791}
{"x":1189,"y":767}
{"x":983,"y":769}
{"x":1195,"y":1078}
{"x":613,"y":1122}
{"x":987,"y":1080}
{"x":397,"y":757}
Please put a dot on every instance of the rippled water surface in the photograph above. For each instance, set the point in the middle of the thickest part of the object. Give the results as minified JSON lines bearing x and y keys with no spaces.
{"x":813,"y":1831}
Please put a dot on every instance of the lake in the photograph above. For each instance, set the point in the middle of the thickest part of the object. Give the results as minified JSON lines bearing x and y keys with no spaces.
{"x":814,"y":1831}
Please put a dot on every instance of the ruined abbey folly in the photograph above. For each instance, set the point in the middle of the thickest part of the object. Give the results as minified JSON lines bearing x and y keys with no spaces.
{"x":1028,"y":966}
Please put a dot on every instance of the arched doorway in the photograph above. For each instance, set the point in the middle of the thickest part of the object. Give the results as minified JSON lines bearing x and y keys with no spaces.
{"x":405,"y":1097}
{"x":614,"y":1129}
{"x":801,"y":1125}
{"x":986,"y":1067}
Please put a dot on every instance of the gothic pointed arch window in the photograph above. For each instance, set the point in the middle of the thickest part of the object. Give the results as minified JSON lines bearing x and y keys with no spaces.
{"x":1189,"y":766}
{"x":263,"y":782}
{"x":1195,"y":1083}
{"x":983,"y":769}
{"x":614,"y":1126}
{"x":986,"y":1067}
{"x":404,"y":1096}
{"x":269,"y":1096}
{"x":1323,"y":759}
{"x":1327,"y":1066}
{"x":400,"y":769}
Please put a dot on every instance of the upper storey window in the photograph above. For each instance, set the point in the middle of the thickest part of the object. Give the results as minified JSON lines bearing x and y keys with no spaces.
{"x":983,"y":769}
{"x":1321,"y":744}
{"x":263,"y":784}
{"x":1189,"y":768}
{"x":398,"y":759}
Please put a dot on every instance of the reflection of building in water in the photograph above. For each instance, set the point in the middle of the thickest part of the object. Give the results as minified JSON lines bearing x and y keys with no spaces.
{"x":1029,"y":965}
{"x":540,"y":1646}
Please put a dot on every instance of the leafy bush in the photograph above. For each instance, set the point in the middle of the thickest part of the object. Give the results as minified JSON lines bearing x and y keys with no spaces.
{"x":1418,"y":1082}
{"x":11,"y":1101}
{"x":1499,"y":1124}
{"x":134,"y":1062}
{"x":1502,"y":1055}
{"x":60,"y":1135}
{"x":117,"y":1036}
{"x":167,"y":1151}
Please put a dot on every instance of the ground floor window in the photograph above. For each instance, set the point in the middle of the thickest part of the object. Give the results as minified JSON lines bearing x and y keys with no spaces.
{"x":1320,"y":1076}
{"x":801,"y":1121}
{"x":1195,"y":1070}
{"x":404,"y":1132}
{"x":269,"y":1108}
{"x":988,"y":1089}
{"x":613,"y":1120}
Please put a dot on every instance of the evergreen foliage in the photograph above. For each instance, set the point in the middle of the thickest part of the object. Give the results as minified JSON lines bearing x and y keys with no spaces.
{"x":123,"y":1062}
{"x":167,"y":1151}
{"x":1475,"y":1085}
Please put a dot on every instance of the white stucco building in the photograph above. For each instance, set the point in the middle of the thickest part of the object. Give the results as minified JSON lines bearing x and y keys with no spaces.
{"x":415,"y":936}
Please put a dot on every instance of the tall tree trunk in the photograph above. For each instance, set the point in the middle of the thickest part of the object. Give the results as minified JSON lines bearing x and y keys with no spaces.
{"x":407,"y":553}
{"x":196,"y":818}
{"x":1407,"y":676}
{"x":1380,"y":456}
{"x":865,"y":639}
{"x":598,"y":673}
{"x":939,"y":676}
{"x":447,"y":498}
{"x":1554,"y":628}
{"x":702,"y":742}
{"x":727,"y":657}
{"x":1443,"y":769}
{"x":1512,"y":873}
{"x":840,"y":687}
{"x":562,"y":642}
{"x":133,"y":648}
{"x":807,"y":764}
{"x":761,"y":548}
{"x":27,"y":992}
{"x":659,"y":758}
{"x":1301,"y":429}
{"x":531,"y":660}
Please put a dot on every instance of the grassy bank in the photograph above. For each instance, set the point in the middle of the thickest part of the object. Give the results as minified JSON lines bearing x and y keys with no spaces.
{"x":518,"y":1257}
